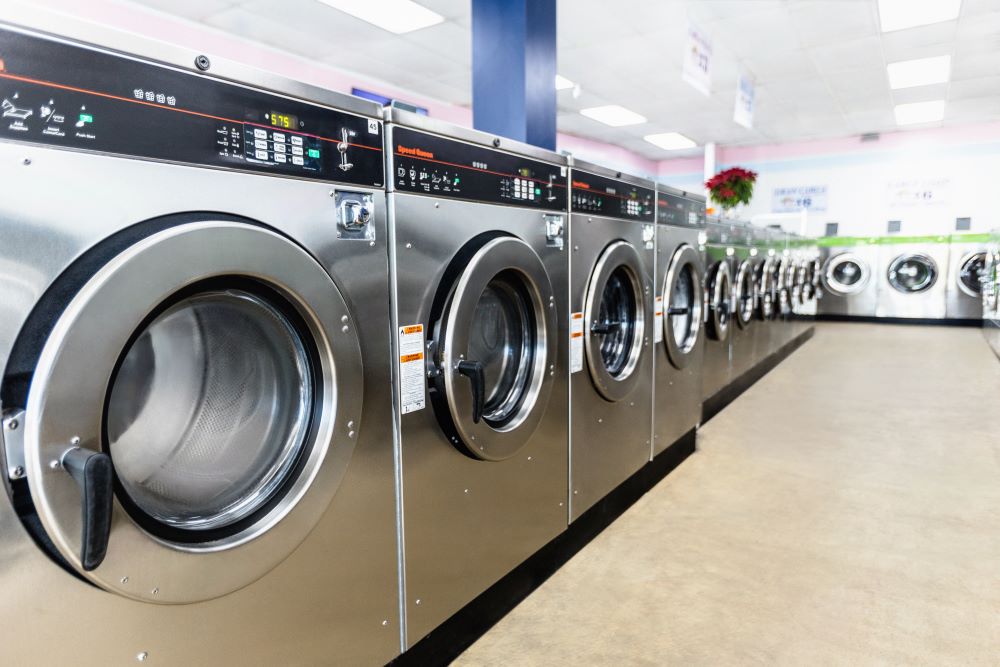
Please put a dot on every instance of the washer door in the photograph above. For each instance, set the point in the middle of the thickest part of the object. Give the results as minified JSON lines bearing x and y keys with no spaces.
{"x":615,"y":312}
{"x":746,"y":295}
{"x":971,"y":273}
{"x":846,"y":273}
{"x":208,"y":374}
{"x":682,"y":320}
{"x":776,"y":289}
{"x":720,"y":292}
{"x":494,"y":346}
{"x":765,"y":300}
{"x":912,"y":273}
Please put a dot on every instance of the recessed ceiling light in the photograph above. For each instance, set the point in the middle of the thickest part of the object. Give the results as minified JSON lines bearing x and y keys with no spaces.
{"x":919,"y":112}
{"x":670,"y":141}
{"x":919,"y":72}
{"x":562,"y":83}
{"x":398,"y":16}
{"x":613,"y":115}
{"x":901,"y":14}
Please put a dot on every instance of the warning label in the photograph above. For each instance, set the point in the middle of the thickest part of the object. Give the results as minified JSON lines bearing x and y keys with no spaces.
{"x":412,"y":388}
{"x":658,"y":321}
{"x":575,"y":342}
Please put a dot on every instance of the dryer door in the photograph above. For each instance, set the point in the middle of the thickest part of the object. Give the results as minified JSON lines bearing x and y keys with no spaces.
{"x":971,"y":272}
{"x":493,"y":346}
{"x":682,"y":321}
{"x":912,"y":273}
{"x":720,"y":292}
{"x":615,"y":313}
{"x":191,"y":409}
{"x":846,"y":273}
{"x":746,"y":295}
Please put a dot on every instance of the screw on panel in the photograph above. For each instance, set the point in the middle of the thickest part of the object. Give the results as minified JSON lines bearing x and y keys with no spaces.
{"x":202,"y":63}
{"x":18,"y":472}
{"x":409,"y":245}
{"x":333,"y":193}
{"x":124,"y":580}
{"x":155,"y":591}
{"x":576,"y":247}
{"x":350,"y":434}
{"x":141,"y":657}
{"x":417,"y":601}
{"x":496,"y":142}
{"x":345,"y":328}
{"x":371,"y":244}
{"x":75,"y":441}
{"x":385,"y":622}
{"x":26,"y":161}
{"x":343,"y":318}
{"x":437,"y":205}
{"x":12,"y":424}
{"x":600,"y":420}
{"x":350,"y":424}
{"x":54,"y":464}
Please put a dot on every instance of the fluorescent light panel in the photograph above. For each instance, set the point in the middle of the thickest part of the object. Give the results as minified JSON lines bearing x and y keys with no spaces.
{"x":919,"y":72}
{"x":613,"y":115}
{"x":562,"y":83}
{"x":902,"y":14}
{"x":397,"y":16}
{"x":670,"y":141}
{"x":919,"y":112}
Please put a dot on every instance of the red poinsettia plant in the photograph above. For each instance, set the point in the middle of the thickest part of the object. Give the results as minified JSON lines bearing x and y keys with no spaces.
{"x":731,"y":187}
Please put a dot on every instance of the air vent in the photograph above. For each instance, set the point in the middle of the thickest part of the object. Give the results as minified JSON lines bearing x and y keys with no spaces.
{"x":870,"y":136}
{"x":894,"y":226}
{"x":963,"y":224}
{"x":832,"y":228}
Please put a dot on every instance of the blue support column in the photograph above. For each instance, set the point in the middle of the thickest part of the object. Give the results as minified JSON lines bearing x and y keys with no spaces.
{"x":514,"y":69}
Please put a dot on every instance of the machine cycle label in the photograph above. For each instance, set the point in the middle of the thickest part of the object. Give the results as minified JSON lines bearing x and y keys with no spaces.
{"x":412,"y":388}
{"x":575,"y":342}
{"x":658,"y":321}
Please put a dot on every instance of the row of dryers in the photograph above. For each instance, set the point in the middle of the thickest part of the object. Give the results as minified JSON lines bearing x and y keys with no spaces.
{"x":289,"y":378}
{"x":991,"y":292}
{"x":929,"y":277}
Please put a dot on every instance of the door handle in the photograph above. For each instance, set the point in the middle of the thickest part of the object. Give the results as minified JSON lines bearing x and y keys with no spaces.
{"x":474,"y":371}
{"x":678,"y":310}
{"x":92,"y":473}
{"x":605,"y":328}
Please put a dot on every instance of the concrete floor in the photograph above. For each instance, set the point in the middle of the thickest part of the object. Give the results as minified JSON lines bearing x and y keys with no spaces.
{"x":845,"y":510}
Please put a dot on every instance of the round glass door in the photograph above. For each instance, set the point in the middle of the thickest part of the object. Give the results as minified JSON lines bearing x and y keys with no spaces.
{"x":683,"y":316}
{"x":971,"y":273}
{"x":720,"y":307}
{"x":492,"y":346}
{"x":615,"y":312}
{"x":765,"y":299}
{"x":912,"y":273}
{"x":746,"y":292}
{"x":846,"y":274}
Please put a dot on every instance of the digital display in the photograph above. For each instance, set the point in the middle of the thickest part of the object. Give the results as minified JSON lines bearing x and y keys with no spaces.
{"x":285,"y":121}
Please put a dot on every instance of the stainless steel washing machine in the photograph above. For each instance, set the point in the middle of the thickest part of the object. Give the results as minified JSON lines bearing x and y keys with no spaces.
{"x":966,"y":273}
{"x":719,"y":309}
{"x":763,"y":265}
{"x":849,"y":284}
{"x":612,"y":231}
{"x":678,"y":323}
{"x":481,"y":323}
{"x":991,"y":292}
{"x":743,"y":339}
{"x":912,"y":277}
{"x":197,"y":442}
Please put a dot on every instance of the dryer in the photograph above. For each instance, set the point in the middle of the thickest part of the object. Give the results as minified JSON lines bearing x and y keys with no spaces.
{"x":481,"y":324}
{"x":849,"y":277}
{"x":966,"y":273}
{"x":679,"y":326}
{"x":912,"y":277}
{"x":612,"y":230}
{"x":744,"y":332}
{"x":197,"y":433}
{"x":719,"y":308}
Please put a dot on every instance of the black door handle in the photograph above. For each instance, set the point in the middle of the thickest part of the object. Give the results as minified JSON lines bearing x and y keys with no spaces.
{"x":605,"y":327}
{"x":678,"y":310}
{"x":474,"y":371}
{"x":92,"y":472}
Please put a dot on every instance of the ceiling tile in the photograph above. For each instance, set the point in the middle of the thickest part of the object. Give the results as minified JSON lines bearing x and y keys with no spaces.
{"x":192,"y":9}
{"x":848,"y":55}
{"x":832,"y":21}
{"x":938,"y":91}
{"x":971,"y":88}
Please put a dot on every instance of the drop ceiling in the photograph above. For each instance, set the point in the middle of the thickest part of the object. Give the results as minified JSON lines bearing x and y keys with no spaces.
{"x":820,"y":65}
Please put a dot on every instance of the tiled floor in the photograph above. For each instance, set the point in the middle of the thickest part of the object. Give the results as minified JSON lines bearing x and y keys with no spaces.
{"x":845,"y":510}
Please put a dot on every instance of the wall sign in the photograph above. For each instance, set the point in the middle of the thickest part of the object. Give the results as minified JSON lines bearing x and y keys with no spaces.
{"x":743,"y":113}
{"x":697,"y":68}
{"x":933,"y":191}
{"x":794,"y":199}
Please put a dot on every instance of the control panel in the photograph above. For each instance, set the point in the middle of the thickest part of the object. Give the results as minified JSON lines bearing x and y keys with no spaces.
{"x":83,"y":98}
{"x":679,"y":211}
{"x":610,"y":197}
{"x":428,"y":164}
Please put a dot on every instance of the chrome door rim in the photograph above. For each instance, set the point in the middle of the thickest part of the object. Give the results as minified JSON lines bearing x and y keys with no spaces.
{"x":969,"y":256}
{"x":720,"y":285}
{"x":496,"y":256}
{"x":920,"y":257}
{"x":838,"y":287}
{"x":66,"y":402}
{"x":744,"y":273}
{"x":618,"y":254}
{"x":765,"y":302}
{"x":685,"y":256}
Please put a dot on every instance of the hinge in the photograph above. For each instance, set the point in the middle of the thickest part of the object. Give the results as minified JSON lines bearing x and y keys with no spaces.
{"x":13,"y":443}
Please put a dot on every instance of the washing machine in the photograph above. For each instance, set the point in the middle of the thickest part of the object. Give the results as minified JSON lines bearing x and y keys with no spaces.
{"x":912,"y":277}
{"x":991,"y":292}
{"x":966,"y":273}
{"x":787,"y":273}
{"x":612,"y":230}
{"x":678,"y":323}
{"x":743,"y":339}
{"x":762,"y":268}
{"x":197,"y":440}
{"x":719,"y":308}
{"x":772,"y":273}
{"x":481,"y":330}
{"x":849,"y":277}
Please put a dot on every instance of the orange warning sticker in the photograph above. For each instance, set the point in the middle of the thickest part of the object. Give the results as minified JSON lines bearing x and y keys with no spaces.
{"x":575,"y":342}
{"x":405,"y":358}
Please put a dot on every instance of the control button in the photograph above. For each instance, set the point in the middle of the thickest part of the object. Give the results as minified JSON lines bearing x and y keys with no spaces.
{"x":261,"y":155}
{"x":296,"y":140}
{"x":260,"y":143}
{"x":260,"y":134}
{"x":279,"y":148}
{"x":278,"y":136}
{"x":297,"y":160}
{"x":278,"y":157}
{"x":296,"y":150}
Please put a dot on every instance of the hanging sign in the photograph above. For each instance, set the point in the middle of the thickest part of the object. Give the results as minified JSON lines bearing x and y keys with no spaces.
{"x":743,"y":113}
{"x":794,"y":199}
{"x":697,"y":67}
